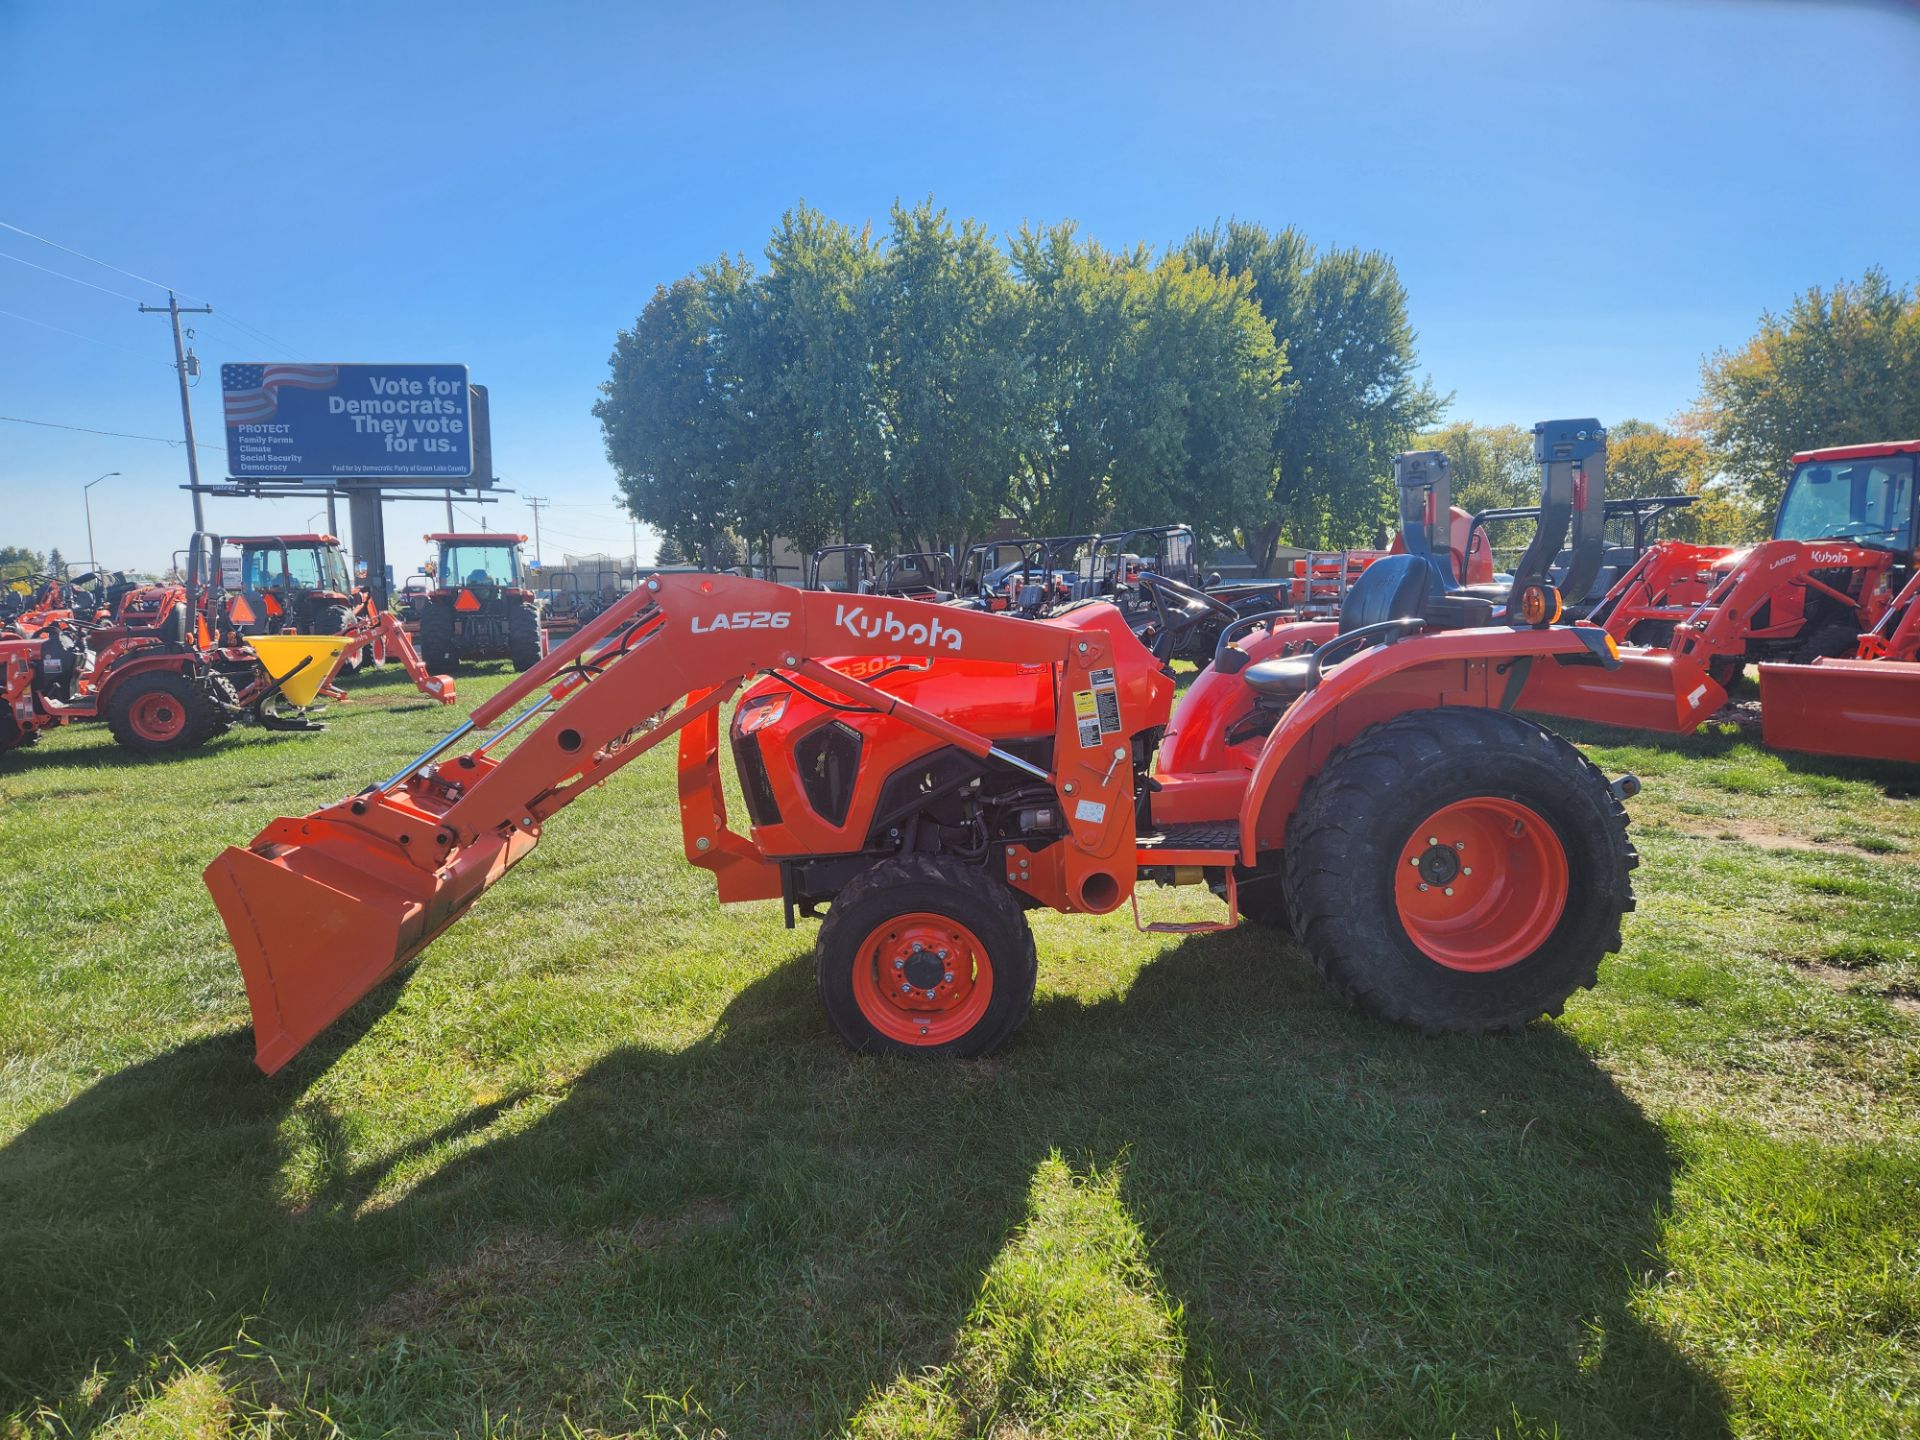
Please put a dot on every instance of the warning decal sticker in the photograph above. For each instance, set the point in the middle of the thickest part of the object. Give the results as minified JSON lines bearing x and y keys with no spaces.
{"x":1086,"y":712}
{"x":1107,"y":698}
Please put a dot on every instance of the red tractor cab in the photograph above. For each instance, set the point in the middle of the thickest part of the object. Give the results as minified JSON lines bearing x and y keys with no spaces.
{"x":482,"y":605}
{"x":289,"y":583}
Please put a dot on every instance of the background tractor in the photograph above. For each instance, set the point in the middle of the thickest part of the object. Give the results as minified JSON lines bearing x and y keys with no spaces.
{"x":482,"y":606}
{"x":282,"y":583}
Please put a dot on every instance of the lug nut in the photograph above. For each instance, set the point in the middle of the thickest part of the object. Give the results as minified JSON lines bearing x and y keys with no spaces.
{"x":1466,"y":869}
{"x":899,"y":964}
{"x":930,"y":995}
{"x":1423,"y":887}
{"x":1449,"y":890}
{"x":906,"y":989}
{"x":947,"y":978}
{"x":941,"y":953}
{"x":1459,"y":844}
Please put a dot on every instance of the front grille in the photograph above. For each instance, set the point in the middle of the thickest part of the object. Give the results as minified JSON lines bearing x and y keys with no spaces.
{"x":827,"y":758}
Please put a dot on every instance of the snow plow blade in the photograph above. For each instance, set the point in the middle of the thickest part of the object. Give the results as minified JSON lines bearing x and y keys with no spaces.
{"x":320,"y":913}
{"x":1864,"y":708}
{"x":1648,"y":690}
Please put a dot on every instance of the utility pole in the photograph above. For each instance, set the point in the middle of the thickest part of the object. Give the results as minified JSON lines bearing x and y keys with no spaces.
{"x":174,"y":309}
{"x":633,"y":538}
{"x":449,"y":495}
{"x":534,"y":502}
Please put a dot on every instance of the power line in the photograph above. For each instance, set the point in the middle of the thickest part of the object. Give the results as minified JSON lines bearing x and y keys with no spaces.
{"x":4,"y":225}
{"x":62,"y":330}
{"x":224,"y":318}
{"x":61,"y":274}
{"x":118,"y":434}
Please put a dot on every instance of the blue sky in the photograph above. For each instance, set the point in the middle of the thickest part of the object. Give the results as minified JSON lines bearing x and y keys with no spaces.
{"x":1583,"y":196}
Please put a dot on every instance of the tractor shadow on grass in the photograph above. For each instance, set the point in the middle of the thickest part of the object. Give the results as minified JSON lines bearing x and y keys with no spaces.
{"x":1366,"y":1232}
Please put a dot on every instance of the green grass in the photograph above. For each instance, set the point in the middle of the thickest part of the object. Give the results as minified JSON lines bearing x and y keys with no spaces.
{"x":595,"y":1167}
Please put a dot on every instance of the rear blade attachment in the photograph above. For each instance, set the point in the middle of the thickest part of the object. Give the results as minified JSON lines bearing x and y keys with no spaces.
{"x":1647,"y":690}
{"x":1865,"y":708}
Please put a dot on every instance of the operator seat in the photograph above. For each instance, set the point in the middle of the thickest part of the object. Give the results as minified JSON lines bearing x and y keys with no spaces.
{"x":1394,"y":587}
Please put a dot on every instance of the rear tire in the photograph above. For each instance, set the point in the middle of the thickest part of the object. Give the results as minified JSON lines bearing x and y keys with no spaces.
{"x":160,"y":714}
{"x":1384,"y":837}
{"x":435,"y":639}
{"x":879,"y":954}
{"x":526,"y":641}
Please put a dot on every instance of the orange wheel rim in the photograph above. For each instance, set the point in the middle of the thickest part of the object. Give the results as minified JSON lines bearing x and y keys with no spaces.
{"x":922,"y":979}
{"x":157,"y":717}
{"x":1481,"y":883}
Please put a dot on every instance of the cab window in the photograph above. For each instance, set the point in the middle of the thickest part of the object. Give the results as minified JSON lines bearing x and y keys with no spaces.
{"x":1869,"y":501}
{"x":478,"y":565}
{"x":260,"y":568}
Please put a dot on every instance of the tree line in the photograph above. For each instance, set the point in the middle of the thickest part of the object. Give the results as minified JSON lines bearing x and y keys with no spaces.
{"x":914,"y":388}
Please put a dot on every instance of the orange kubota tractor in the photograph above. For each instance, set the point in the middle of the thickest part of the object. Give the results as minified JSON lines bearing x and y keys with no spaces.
{"x":928,"y":774}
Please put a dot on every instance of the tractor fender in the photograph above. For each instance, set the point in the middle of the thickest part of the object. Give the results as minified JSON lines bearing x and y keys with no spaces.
{"x":138,"y":663}
{"x":1478,"y":668}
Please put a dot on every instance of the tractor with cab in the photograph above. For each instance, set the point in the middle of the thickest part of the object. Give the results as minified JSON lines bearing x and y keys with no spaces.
{"x":480,"y":606}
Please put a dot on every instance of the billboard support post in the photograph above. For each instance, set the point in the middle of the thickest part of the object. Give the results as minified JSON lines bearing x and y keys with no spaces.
{"x":369,"y":538}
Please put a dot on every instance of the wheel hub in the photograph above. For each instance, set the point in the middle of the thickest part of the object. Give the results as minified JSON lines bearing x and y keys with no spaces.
{"x":922,"y":968}
{"x":1438,"y":863}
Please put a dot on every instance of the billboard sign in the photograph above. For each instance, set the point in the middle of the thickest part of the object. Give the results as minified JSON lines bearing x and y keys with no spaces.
{"x":343,"y":422}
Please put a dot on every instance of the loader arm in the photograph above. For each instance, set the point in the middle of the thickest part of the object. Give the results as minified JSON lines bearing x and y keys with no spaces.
{"x":322,"y":908}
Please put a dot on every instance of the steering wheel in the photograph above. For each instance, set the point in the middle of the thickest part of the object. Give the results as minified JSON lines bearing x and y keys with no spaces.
{"x":1194,"y":606}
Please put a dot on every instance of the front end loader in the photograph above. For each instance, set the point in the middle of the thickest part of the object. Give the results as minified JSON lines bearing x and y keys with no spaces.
{"x":924,"y":775}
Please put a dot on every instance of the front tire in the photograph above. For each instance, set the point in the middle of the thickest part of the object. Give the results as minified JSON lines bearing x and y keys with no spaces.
{"x":925,"y":956}
{"x":1397,"y":916}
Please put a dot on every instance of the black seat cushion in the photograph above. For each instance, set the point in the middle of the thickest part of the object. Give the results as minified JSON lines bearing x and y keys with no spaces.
{"x":1281,"y":679}
{"x":1394,"y":587}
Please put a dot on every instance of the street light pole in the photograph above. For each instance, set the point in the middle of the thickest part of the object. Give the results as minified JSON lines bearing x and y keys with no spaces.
{"x":86,"y":502}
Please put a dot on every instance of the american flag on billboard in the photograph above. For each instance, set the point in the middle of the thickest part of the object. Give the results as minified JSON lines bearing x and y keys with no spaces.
{"x":249,"y":390}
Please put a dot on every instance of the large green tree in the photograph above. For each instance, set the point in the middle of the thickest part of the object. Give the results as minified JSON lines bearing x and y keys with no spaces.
{"x":1491,"y":466}
{"x":956,"y":388}
{"x":18,"y":562}
{"x":1842,"y":366}
{"x":1159,"y":386}
{"x":1352,"y":403}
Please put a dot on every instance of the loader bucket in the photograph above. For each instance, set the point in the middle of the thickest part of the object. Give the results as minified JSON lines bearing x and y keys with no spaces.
{"x":282,"y":656}
{"x":1868,"y":708}
{"x":1648,"y":690}
{"x":320,"y":912}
